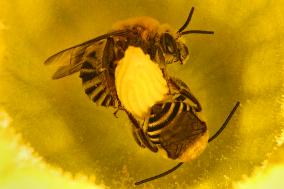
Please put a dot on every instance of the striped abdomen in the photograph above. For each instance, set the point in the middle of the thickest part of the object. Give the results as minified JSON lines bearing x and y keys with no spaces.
{"x":175,"y":127}
{"x":95,"y":86}
{"x":163,"y":118}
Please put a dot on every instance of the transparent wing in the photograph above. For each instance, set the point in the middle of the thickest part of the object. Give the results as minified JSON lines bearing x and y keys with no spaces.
{"x":71,"y":59}
{"x":63,"y":71}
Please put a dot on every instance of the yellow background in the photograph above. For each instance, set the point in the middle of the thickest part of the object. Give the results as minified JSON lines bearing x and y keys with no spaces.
{"x":242,"y":61}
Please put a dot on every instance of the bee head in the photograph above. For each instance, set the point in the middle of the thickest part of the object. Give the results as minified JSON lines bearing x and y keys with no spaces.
{"x":174,"y":49}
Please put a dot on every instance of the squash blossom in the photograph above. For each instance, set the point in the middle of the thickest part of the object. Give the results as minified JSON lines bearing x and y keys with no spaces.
{"x":49,"y":129}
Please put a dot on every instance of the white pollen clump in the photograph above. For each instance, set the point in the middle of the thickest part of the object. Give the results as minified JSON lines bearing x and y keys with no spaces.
{"x":139,"y":82}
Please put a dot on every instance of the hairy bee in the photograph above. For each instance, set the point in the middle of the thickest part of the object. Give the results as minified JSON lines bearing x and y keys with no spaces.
{"x":175,"y":128}
{"x":97,"y":58}
{"x":173,"y":125}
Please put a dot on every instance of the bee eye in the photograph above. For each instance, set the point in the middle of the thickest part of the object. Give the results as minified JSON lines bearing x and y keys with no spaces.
{"x":168,"y":43}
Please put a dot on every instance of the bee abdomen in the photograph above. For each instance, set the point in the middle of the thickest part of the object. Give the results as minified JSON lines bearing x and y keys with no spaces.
{"x":155,"y":138}
{"x":94,"y":86}
{"x":97,"y":94}
{"x":163,"y":119}
{"x":88,"y":73}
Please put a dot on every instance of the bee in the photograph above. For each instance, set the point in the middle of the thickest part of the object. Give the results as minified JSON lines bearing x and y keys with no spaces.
{"x":175,"y":128}
{"x":97,"y":58}
{"x":171,"y":123}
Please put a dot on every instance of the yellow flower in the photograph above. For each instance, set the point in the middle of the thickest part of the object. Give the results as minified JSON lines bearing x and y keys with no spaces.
{"x":242,"y":61}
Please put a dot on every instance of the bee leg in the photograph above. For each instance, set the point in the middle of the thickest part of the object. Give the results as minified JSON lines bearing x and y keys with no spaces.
{"x":159,"y":57}
{"x":140,"y":135}
{"x":189,"y":95}
{"x":135,"y":128}
{"x":145,"y":141}
{"x":108,"y":54}
{"x":165,"y":75}
{"x":107,"y":68}
{"x":185,"y":91}
{"x":136,"y":138}
{"x":102,"y":70}
{"x":118,"y":108}
{"x":115,"y":112}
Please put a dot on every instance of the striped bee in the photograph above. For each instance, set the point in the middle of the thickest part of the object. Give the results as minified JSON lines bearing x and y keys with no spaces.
{"x":172,"y":123}
{"x":174,"y":127}
{"x":97,"y":58}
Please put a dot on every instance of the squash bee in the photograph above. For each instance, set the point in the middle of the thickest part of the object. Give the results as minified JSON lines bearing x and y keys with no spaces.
{"x":174,"y":127}
{"x":97,"y":58}
{"x":172,"y":124}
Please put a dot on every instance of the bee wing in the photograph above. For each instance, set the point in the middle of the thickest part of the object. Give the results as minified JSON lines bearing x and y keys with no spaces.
{"x":63,"y":71}
{"x":72,"y":58}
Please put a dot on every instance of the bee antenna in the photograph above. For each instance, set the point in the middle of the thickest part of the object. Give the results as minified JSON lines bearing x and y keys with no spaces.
{"x":180,"y":164}
{"x":196,"y":31}
{"x":180,"y":32}
{"x":225,"y":123}
{"x":159,"y":175}
{"x":187,"y":20}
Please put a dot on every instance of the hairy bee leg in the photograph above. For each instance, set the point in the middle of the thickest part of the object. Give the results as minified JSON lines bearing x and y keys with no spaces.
{"x":161,"y":59}
{"x":136,"y":138}
{"x":185,"y":91}
{"x":140,"y":134}
{"x":189,"y":95}
{"x":135,"y":130}
{"x":146,"y":142}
